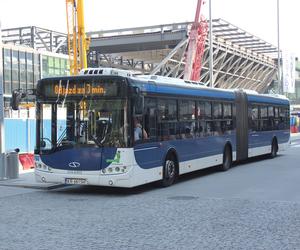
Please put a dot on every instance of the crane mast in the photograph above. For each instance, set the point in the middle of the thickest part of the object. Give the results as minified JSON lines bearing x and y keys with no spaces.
{"x":77,"y":41}
{"x":196,"y":45}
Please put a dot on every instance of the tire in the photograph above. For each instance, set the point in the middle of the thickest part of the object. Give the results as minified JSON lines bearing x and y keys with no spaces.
{"x":169,"y":171}
{"x":227,"y":159}
{"x":274,"y":149}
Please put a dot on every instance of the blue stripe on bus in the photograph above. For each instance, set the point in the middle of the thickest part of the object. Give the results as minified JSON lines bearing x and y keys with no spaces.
{"x":186,"y":149}
{"x":206,"y":92}
{"x":152,"y":154}
{"x":267,"y":99}
{"x":180,"y":91}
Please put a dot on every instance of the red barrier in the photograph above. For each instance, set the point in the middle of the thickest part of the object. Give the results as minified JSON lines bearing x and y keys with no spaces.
{"x":27,"y":160}
{"x":294,"y":129}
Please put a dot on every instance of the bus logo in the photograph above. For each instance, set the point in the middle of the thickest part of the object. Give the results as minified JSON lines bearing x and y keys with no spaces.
{"x":116,"y":158}
{"x":74,"y":164}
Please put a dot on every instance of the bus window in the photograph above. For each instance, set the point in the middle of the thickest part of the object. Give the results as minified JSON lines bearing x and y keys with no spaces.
{"x":207,"y":112}
{"x":46,"y":132}
{"x":167,"y":110}
{"x":227,"y":110}
{"x":287,"y":118}
{"x":282,"y":119}
{"x":217,"y":128}
{"x":276,"y":112}
{"x":139,"y":131}
{"x":150,"y":118}
{"x":217,"y":110}
{"x":201,"y":129}
{"x":186,"y":110}
{"x":254,"y":118}
{"x":264,"y":123}
{"x":271,"y":121}
{"x":263,"y":112}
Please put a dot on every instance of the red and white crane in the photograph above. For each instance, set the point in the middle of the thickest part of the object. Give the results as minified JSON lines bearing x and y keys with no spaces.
{"x":196,"y":45}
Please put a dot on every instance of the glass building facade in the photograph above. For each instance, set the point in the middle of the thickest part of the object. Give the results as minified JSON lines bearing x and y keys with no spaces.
{"x":295,"y":97}
{"x":23,"y":67}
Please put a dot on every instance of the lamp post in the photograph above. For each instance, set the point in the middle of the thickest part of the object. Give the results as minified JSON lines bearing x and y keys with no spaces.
{"x":211,"y":64}
{"x":280,"y":87}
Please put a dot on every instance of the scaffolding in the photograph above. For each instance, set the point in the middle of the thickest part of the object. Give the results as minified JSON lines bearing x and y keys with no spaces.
{"x":36,"y":38}
{"x":241,"y":60}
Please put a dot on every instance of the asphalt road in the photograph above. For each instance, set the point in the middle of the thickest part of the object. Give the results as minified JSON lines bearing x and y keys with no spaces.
{"x":255,"y":205}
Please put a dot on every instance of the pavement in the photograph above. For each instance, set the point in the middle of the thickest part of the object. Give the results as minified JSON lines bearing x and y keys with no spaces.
{"x":254,"y":205}
{"x":27,"y":180}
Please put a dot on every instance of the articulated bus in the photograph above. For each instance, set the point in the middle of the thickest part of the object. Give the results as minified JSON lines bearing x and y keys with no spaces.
{"x":111,"y":128}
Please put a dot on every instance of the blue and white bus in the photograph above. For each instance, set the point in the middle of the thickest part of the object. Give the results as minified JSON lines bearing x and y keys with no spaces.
{"x":111,"y":128}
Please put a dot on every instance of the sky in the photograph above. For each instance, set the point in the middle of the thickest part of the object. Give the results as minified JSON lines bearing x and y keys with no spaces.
{"x":258,"y":17}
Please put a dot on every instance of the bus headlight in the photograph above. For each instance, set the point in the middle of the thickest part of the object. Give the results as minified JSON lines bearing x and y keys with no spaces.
{"x":115,"y":170}
{"x":39,"y":165}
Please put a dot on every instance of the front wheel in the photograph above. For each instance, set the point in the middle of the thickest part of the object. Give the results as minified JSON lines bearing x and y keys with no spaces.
{"x":227,"y":159}
{"x":169,"y":172}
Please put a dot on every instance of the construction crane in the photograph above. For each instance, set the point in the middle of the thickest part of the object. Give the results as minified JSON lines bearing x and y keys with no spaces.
{"x":196,"y":45}
{"x":77,"y":41}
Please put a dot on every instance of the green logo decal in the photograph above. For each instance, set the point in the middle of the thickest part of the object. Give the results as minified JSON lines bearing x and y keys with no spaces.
{"x":116,"y":159}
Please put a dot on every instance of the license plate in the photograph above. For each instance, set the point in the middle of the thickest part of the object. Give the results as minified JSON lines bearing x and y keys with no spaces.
{"x":75,"y":181}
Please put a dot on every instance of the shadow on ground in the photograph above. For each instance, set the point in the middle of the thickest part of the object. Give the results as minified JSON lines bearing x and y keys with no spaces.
{"x":117,"y":192}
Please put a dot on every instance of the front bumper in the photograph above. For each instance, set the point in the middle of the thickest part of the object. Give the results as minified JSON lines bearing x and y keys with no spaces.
{"x":92,"y":178}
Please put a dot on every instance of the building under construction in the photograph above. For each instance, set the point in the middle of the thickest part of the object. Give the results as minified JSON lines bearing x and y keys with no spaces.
{"x":241,"y":60}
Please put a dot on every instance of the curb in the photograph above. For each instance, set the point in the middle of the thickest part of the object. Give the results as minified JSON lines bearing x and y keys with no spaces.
{"x":33,"y":186}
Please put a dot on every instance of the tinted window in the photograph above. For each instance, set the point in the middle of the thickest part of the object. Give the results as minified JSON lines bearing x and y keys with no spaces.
{"x":167,"y":110}
{"x":217,"y":111}
{"x":150,"y":117}
{"x":186,"y":110}
{"x":263,"y":112}
{"x":254,"y":121}
{"x":207,"y":107}
{"x":276,"y":112}
{"x":227,"y":111}
{"x":270,"y":111}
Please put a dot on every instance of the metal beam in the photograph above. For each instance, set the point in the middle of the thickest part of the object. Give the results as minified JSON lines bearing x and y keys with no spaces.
{"x":231,"y":34}
{"x":220,"y":25}
{"x":170,"y":55}
{"x":224,"y":31}
{"x":266,"y":52}
{"x":246,"y":41}
{"x":266,"y":49}
{"x":240,"y":37}
{"x":258,"y":46}
{"x":250,"y":44}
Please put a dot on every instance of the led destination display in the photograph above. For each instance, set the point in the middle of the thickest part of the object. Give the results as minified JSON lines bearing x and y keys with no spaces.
{"x":81,"y":88}
{"x":78,"y":89}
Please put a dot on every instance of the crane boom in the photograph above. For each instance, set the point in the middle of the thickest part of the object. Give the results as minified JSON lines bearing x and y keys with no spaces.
{"x":77,"y":41}
{"x":195,"y":49}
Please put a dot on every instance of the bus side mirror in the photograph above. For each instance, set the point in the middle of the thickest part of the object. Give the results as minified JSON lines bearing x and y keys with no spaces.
{"x":138,"y":104}
{"x":17,"y":96}
{"x":43,"y":144}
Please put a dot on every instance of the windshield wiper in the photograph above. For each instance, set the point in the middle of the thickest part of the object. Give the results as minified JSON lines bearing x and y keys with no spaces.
{"x":99,"y":144}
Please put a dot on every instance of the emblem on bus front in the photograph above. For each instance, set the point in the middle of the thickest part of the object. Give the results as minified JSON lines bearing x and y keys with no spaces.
{"x":74,"y":164}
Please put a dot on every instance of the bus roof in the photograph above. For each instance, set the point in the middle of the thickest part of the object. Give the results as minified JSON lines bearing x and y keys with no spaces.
{"x":172,"y":86}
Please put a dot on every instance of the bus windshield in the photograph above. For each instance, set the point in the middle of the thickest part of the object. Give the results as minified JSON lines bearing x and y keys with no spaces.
{"x":86,"y":122}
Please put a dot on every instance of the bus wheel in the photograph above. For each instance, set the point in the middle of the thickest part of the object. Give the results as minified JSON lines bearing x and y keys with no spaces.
{"x":227,"y":159}
{"x":274,"y":149}
{"x":169,"y":171}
